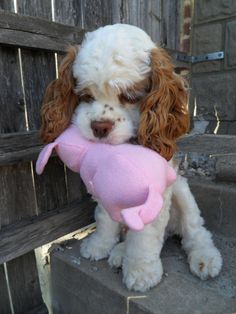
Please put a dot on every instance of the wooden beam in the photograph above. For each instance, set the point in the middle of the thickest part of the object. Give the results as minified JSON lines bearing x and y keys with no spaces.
{"x":36,"y":33}
{"x":28,"y":234}
{"x":20,"y":146}
{"x":24,"y":146}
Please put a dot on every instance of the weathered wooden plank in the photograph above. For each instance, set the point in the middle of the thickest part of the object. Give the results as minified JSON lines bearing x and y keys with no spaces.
{"x":46,"y":32}
{"x":33,"y":41}
{"x":35,"y":231}
{"x":17,"y":198}
{"x":76,"y":188}
{"x":38,"y":26}
{"x":170,"y":31}
{"x":35,"y":8}
{"x":5,"y":307}
{"x":144,"y":14}
{"x":17,"y":194}
{"x":6,"y":5}
{"x":22,"y":274}
{"x":96,"y":13}
{"x":15,"y":182}
{"x":69,"y":12}
{"x":26,"y":154}
{"x":38,"y":70}
{"x":51,"y":186}
{"x":12,"y":142}
{"x":18,"y":147}
{"x":208,"y":144}
{"x":12,"y":116}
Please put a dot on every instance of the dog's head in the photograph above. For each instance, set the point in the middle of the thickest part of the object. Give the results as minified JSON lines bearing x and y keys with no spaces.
{"x":116,"y":86}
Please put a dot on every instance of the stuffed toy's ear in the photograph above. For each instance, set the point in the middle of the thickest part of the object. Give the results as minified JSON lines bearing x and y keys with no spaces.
{"x":43,"y":157}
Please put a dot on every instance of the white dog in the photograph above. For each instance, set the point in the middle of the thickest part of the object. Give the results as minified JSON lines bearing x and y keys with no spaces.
{"x":116,"y":87}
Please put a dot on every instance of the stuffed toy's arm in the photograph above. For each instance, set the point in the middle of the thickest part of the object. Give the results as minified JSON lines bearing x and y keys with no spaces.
{"x":43,"y":157}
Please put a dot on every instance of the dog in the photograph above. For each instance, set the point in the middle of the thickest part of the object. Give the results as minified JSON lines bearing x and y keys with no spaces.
{"x":117,"y":87}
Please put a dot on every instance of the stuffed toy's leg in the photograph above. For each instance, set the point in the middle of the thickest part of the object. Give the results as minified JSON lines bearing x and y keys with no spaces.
{"x":142,"y":267}
{"x":136,"y":217}
{"x":99,"y":244}
{"x":204,"y":258}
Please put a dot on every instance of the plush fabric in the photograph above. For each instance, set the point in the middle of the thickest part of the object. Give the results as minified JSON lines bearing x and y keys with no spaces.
{"x":128,"y":180}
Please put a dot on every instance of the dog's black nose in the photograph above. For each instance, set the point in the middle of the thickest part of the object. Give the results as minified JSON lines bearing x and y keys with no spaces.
{"x":101,"y":128}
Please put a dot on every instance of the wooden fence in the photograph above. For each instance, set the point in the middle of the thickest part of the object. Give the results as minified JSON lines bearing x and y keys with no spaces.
{"x":36,"y":210}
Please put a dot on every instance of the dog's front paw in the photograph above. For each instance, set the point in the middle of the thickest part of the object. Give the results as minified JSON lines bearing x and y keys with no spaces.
{"x":95,"y":248}
{"x":116,"y":256}
{"x":206,"y":262}
{"x":142,"y":275}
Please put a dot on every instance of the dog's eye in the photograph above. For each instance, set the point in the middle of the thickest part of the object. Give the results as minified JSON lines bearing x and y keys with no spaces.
{"x":86,"y":98}
{"x":129,"y":98}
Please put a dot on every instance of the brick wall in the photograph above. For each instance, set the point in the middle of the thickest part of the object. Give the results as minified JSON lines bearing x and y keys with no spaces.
{"x":213,"y":94}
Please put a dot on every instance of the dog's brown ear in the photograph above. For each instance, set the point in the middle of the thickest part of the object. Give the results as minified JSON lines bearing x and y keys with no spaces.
{"x":60,"y":100}
{"x":164,"y":112}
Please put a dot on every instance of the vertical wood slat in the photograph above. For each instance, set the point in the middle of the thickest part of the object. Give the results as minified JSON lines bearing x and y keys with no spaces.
{"x":71,"y":13}
{"x":24,"y":284}
{"x":96,"y":13}
{"x":6,"y":5}
{"x":144,"y":14}
{"x":38,"y":71}
{"x":15,"y":181}
{"x":11,"y":96}
{"x":16,"y":184}
{"x":35,"y":8}
{"x":17,"y":196}
{"x":170,"y":31}
{"x":5,"y":307}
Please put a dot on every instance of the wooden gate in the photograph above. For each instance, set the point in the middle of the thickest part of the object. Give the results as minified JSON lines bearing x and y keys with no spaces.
{"x":36,"y":210}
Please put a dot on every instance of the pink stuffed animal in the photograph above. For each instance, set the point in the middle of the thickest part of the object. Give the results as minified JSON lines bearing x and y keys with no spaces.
{"x":128,"y":180}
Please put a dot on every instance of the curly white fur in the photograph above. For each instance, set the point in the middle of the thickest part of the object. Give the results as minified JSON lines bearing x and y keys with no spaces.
{"x":110,"y":59}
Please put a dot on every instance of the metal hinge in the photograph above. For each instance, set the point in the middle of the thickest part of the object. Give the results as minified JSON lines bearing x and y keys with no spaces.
{"x":218,"y":55}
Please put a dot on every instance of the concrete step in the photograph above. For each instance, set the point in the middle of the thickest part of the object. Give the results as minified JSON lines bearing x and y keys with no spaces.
{"x":80,"y":286}
{"x":217,"y":201}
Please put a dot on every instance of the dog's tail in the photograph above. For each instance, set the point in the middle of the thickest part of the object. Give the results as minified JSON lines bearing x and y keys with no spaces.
{"x":136,"y":217}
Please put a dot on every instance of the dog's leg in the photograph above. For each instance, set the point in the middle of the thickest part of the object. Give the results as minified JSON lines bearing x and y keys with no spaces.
{"x":142,"y":267}
{"x":99,"y":244}
{"x":117,"y":254}
{"x":204,"y":258}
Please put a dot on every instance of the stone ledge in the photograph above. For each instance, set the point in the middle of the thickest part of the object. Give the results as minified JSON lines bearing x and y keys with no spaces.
{"x":214,"y":95}
{"x":226,"y":168}
{"x":210,"y":144}
{"x":217,"y":203}
{"x":83,"y":287}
